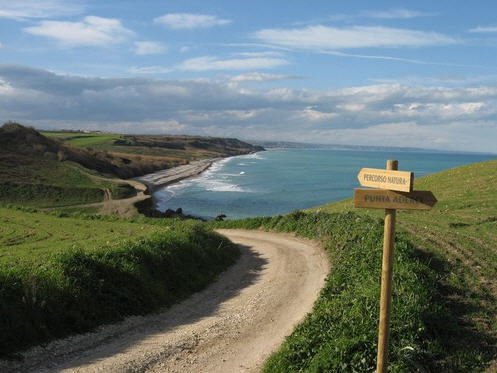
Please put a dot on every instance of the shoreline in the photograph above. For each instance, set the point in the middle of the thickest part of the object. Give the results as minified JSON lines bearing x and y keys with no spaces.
{"x":169,"y":176}
{"x":173,"y":175}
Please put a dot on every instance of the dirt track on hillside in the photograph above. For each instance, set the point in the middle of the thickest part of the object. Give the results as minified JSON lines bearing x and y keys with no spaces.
{"x":232,"y":326}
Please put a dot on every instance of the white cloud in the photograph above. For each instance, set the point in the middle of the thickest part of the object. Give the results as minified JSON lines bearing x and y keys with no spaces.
{"x":213,"y":63}
{"x":261,"y":77}
{"x":309,"y":113}
{"x":91,"y":31}
{"x":260,"y":54}
{"x":446,"y":80}
{"x":332,"y":38}
{"x":179,"y":21}
{"x":184,"y":49}
{"x":458,"y":118}
{"x":25,"y":9}
{"x":389,"y":14}
{"x":1,"y":45}
{"x":150,"y":70}
{"x":149,"y":47}
{"x":399,"y":13}
{"x":484,"y":29}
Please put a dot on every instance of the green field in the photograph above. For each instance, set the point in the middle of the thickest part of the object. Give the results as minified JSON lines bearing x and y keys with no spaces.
{"x":33,"y":237}
{"x":93,"y":140}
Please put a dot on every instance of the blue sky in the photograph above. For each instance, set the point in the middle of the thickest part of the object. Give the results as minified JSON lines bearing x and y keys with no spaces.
{"x":359,"y":72}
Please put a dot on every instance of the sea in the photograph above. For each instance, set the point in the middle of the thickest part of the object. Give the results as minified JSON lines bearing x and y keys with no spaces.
{"x":279,"y":181}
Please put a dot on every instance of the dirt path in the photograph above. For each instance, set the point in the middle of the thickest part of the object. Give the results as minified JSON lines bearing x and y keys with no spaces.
{"x":232,"y":326}
{"x":124,"y":207}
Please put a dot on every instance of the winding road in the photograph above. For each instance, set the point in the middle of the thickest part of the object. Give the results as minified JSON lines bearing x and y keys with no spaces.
{"x":231,"y":326}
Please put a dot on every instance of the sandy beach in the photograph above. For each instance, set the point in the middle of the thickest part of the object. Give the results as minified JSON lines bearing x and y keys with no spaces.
{"x":172,"y":175}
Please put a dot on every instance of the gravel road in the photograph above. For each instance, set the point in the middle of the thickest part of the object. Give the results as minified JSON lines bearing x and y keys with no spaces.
{"x":231,"y":326}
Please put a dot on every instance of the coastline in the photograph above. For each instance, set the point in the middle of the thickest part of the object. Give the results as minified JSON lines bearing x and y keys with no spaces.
{"x":163,"y":178}
{"x":173,"y":175}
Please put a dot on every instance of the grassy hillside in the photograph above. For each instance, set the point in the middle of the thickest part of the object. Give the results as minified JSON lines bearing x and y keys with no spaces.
{"x":63,"y":275}
{"x":444,"y":314}
{"x":461,"y":228}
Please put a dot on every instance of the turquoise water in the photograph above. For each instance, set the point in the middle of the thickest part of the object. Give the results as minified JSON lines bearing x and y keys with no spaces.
{"x":279,"y":181}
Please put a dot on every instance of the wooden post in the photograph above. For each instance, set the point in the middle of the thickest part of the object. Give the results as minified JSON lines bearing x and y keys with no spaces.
{"x":386,"y":283}
{"x":394,"y":192}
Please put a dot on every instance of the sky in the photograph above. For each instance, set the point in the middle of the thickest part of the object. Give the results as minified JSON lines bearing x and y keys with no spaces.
{"x":384,"y":73}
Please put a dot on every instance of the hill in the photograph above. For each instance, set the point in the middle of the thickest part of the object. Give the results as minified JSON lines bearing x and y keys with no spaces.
{"x":67,"y":169}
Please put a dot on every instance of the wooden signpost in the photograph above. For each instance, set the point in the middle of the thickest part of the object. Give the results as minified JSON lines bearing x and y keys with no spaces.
{"x":386,"y":179}
{"x":388,"y":199}
{"x":395,"y":193}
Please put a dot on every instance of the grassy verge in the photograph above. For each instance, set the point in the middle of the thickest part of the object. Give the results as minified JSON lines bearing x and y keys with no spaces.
{"x":60,"y":276}
{"x":428,"y":321}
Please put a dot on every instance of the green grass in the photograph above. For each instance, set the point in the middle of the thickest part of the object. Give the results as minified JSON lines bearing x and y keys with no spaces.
{"x":42,"y":171}
{"x":78,"y":211}
{"x":93,"y":140}
{"x":104,"y":141}
{"x":461,"y":229}
{"x":46,"y":182}
{"x":27,"y":237}
{"x":430,"y":330}
{"x":43,"y":195}
{"x":63,"y":275}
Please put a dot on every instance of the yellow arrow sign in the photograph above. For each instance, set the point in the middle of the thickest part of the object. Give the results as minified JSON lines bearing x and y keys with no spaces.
{"x":401,"y":181}
{"x":389,"y":199}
